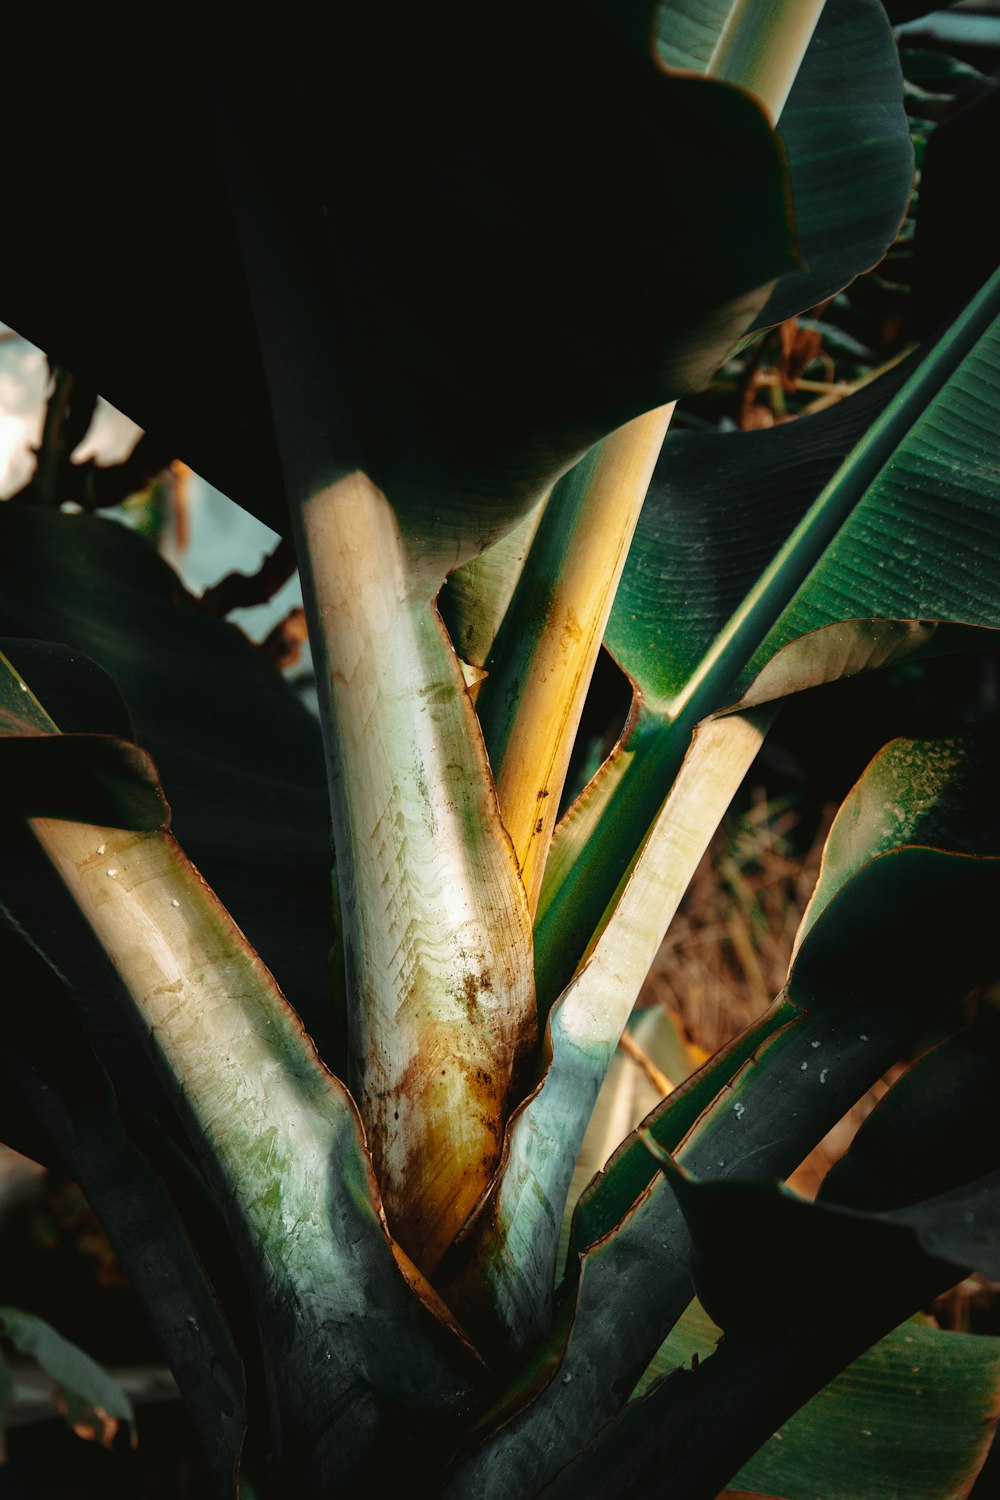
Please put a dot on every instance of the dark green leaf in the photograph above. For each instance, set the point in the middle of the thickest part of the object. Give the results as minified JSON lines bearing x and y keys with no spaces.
{"x":906,"y":934}
{"x":901,"y":533}
{"x":51,"y":1078}
{"x":6,"y":1396}
{"x":920,"y":545}
{"x":912,"y":1417}
{"x":687,"y":572}
{"x":759,"y":1254}
{"x":849,"y":154}
{"x":845,"y":133}
{"x":933,"y":1131}
{"x":239,"y":756}
{"x":424,"y":268}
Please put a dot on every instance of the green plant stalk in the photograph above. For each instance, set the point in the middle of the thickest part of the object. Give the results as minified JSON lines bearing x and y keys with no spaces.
{"x":439,"y":950}
{"x":661,"y":733}
{"x":512,"y":1246}
{"x":278,"y":1138}
{"x":437,"y":939}
{"x":623,"y":1293}
{"x":540,"y":670}
{"x":761,"y":46}
{"x":543,"y":661}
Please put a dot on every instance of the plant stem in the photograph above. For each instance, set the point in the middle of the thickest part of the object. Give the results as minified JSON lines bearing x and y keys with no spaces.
{"x":438,"y":952}
{"x":437,"y":938}
{"x":761,"y":46}
{"x":572,"y":906}
{"x":541,"y":667}
{"x":277,"y":1136}
{"x":544,"y":658}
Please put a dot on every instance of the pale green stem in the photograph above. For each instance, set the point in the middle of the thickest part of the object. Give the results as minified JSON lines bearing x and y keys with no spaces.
{"x":278,"y":1137}
{"x":439,"y":944}
{"x":762,"y":45}
{"x":531,"y":709}
{"x":517,"y":1235}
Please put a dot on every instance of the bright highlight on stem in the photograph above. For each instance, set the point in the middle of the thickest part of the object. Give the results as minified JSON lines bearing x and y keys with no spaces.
{"x":531,"y":705}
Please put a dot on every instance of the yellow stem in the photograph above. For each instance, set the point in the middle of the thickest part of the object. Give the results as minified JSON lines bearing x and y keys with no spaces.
{"x":760,"y":48}
{"x":531,"y":776}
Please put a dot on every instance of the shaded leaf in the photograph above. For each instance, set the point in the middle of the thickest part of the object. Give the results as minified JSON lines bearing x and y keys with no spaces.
{"x":851,"y":168}
{"x":52,"y":1078}
{"x":757,"y":1253}
{"x":931,"y":1132}
{"x":6,"y":1396}
{"x":904,"y":938}
{"x":947,"y":214}
{"x":911,"y":1417}
{"x":921,"y":486}
{"x":89,"y":778}
{"x":95,"y":1404}
{"x":758,"y":1286}
{"x":240,"y":758}
{"x":404,"y":313}
{"x":845,"y":134}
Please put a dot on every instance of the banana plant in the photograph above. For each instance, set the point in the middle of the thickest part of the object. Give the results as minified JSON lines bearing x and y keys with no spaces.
{"x":432,"y":330}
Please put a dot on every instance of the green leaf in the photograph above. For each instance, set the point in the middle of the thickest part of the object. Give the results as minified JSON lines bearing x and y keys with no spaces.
{"x":849,"y":153}
{"x":239,"y":756}
{"x":50,"y":1075}
{"x":934,"y":794}
{"x":757,"y":1254}
{"x":917,"y":546}
{"x":844,"y":131}
{"x":905,"y":936}
{"x":265,"y":1120}
{"x":89,"y":778}
{"x":687,"y":573}
{"x":920,"y":487}
{"x":93,"y":1400}
{"x":931,"y":1132}
{"x":913,"y":1416}
{"x":608,"y":1199}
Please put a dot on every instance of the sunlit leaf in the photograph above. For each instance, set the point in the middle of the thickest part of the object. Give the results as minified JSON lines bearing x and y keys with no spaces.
{"x":898,"y":534}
